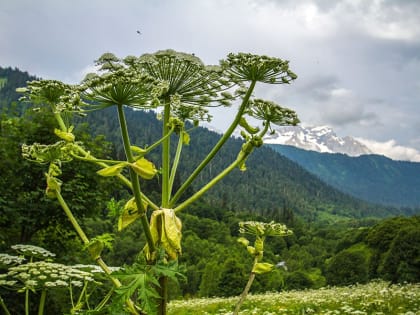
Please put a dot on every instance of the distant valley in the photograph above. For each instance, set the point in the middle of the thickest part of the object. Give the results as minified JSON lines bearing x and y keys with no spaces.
{"x":373,"y":178}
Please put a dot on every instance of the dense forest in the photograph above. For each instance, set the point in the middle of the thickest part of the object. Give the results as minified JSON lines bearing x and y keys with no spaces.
{"x":272,"y":185}
{"x":361,"y":244}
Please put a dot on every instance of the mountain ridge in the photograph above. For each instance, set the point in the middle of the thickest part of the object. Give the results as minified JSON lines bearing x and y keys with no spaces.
{"x":371,"y":177}
{"x":319,"y":139}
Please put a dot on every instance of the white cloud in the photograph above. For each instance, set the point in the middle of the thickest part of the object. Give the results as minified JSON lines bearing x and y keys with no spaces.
{"x":392,"y":150}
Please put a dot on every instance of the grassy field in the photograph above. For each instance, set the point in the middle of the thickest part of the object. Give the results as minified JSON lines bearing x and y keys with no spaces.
{"x":373,"y":298}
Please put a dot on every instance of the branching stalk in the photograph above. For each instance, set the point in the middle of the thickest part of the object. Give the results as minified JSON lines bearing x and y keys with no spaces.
{"x":217,"y":147}
{"x":240,"y":159}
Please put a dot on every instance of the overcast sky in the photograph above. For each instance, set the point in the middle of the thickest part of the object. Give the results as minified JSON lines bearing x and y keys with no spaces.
{"x":357,"y":61}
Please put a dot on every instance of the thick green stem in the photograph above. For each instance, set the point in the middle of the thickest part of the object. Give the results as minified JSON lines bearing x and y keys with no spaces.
{"x":246,"y":289}
{"x":72,"y":219}
{"x":163,"y":282}
{"x":134,"y":178}
{"x":60,"y":121}
{"x":4,"y":307}
{"x":240,"y":159}
{"x":176,"y":161}
{"x":217,"y":147}
{"x":166,"y":193}
{"x":26,"y":301}
{"x":42,"y":302}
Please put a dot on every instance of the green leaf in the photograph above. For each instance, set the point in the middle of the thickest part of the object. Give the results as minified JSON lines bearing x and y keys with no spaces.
{"x":144,"y":168}
{"x":130,"y":213}
{"x":111,"y":170}
{"x":243,"y":241}
{"x":185,"y":138}
{"x":97,"y":244}
{"x":140,"y":281}
{"x":261,"y":268}
{"x":95,"y":248}
{"x":170,"y":270}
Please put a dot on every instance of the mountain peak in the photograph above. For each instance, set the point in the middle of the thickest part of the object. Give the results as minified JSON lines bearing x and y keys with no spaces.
{"x":320,"y":138}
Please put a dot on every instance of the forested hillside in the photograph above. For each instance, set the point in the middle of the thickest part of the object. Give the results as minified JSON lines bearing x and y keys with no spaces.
{"x":373,"y":178}
{"x":272,"y":184}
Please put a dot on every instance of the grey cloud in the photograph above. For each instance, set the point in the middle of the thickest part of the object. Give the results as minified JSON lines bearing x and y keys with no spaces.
{"x":331,"y":45}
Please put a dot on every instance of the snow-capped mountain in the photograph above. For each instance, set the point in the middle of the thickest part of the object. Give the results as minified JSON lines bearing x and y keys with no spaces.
{"x":320,"y":139}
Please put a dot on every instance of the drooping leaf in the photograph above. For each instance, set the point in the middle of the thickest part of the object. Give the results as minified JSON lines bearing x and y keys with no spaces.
{"x":165,"y":228}
{"x":130,"y":213}
{"x":111,"y":170}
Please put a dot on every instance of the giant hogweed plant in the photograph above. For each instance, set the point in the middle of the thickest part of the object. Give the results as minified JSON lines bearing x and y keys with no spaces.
{"x":259,"y":232}
{"x":180,"y":88}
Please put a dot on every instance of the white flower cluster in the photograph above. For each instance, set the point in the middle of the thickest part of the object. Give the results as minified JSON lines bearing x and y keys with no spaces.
{"x":46,"y":274}
{"x":6,"y":259}
{"x":94,"y":268}
{"x":372,"y":298}
{"x":33,"y":251}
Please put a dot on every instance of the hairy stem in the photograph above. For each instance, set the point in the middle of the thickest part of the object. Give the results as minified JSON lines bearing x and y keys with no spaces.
{"x":217,"y":147}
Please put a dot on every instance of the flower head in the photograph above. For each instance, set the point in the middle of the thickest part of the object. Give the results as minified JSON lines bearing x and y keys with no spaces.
{"x":249,"y":67}
{"x":42,"y":153}
{"x":60,"y":96}
{"x":32,"y":251}
{"x":261,"y":229}
{"x":42,"y":274}
{"x":190,"y":84}
{"x":120,"y":83}
{"x":270,"y":112}
{"x":6,"y":260}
